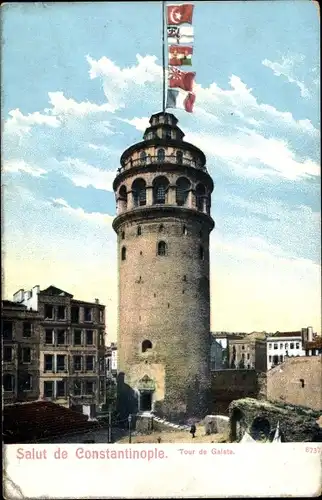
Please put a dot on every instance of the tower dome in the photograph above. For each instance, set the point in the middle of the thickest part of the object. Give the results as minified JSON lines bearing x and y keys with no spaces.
{"x":163,"y":223}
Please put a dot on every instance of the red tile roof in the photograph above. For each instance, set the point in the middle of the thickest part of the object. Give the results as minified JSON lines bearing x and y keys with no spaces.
{"x":40,"y":420}
{"x":286,"y":334}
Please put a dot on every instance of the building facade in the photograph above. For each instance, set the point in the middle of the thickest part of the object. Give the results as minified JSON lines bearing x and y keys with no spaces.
{"x":20,"y":332}
{"x":71,"y":348}
{"x":282,"y":345}
{"x":247,"y":353}
{"x":163,"y":195}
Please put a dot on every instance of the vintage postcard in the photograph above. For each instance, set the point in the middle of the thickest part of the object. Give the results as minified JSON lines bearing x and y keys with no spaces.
{"x":161,"y":258}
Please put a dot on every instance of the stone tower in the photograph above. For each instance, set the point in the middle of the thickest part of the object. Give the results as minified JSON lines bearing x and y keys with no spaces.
{"x":163,"y":223}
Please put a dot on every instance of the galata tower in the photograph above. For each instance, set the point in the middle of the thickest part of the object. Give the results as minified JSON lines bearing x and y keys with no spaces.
{"x":163,"y":224}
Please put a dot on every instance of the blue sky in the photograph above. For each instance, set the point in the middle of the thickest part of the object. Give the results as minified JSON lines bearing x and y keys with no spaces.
{"x":79,"y":83}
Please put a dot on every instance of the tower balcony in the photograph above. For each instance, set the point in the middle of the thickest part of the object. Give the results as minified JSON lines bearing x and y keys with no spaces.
{"x":156,"y":160}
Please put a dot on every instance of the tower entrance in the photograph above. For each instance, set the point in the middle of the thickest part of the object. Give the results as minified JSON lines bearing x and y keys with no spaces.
{"x":145,"y":400}
{"x":146,"y":388}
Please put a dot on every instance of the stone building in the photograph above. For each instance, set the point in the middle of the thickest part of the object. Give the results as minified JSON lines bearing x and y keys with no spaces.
{"x":284,"y":344}
{"x":71,"y":348}
{"x":248,"y":352}
{"x":163,"y":195}
{"x":20,"y":332}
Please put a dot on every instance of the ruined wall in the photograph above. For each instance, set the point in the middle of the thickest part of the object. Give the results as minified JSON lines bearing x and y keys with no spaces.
{"x":228,"y":385}
{"x":297,"y":381}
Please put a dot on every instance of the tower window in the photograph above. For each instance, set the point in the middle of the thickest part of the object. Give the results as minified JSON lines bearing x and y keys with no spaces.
{"x":179,"y":156}
{"x":162,"y":248}
{"x":139,"y":192}
{"x":139,"y":231}
{"x":182,"y":190}
{"x":184,"y":230}
{"x":146,"y":344}
{"x":123,"y":235}
{"x":200,"y":195}
{"x":161,"y":228}
{"x":161,"y":154}
{"x":201,"y":253}
{"x":123,"y":253}
{"x":160,"y":187}
{"x":143,"y":157}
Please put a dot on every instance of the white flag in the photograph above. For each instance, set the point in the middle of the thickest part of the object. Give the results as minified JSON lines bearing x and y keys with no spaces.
{"x":180,"y":35}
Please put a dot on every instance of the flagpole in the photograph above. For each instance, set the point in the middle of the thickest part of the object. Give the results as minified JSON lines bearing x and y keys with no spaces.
{"x":163,"y":54}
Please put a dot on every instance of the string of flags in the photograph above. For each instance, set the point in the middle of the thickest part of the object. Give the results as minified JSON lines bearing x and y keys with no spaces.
{"x":180,"y":39}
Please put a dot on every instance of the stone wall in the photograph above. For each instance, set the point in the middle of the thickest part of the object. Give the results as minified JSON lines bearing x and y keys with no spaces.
{"x":260,"y":419}
{"x":297,"y":381}
{"x":228,"y":385}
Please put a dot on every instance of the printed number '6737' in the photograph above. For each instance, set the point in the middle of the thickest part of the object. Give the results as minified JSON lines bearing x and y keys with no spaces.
{"x":310,"y":449}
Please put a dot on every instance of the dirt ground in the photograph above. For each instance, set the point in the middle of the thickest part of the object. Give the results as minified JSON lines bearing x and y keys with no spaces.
{"x":176,"y":437}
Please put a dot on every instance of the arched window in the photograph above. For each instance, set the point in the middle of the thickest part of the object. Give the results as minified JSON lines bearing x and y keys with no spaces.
{"x":143,"y":157}
{"x":123,"y":253}
{"x":139,"y":192}
{"x":146,"y":344}
{"x":200,"y":195}
{"x":139,"y":231}
{"x":123,"y":197}
{"x":184,"y":230}
{"x":160,"y":188}
{"x":123,"y":235}
{"x":179,"y":156}
{"x":162,"y":248}
{"x":161,"y":228}
{"x":201,"y":253}
{"x":182,"y":190}
{"x":161,"y":154}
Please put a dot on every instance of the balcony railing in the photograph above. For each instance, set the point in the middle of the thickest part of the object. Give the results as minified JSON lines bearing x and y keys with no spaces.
{"x":155,"y":160}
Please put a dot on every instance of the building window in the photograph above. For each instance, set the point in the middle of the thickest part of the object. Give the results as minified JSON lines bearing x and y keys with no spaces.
{"x":60,"y":388}
{"x":26,"y":332}
{"x":89,"y":363}
{"x":146,"y":344}
{"x":184,"y":231}
{"x":123,"y":235}
{"x":275,"y":346}
{"x":123,"y":253}
{"x":61,"y":312}
{"x":201,"y":253}
{"x":88,"y":314}
{"x":182,"y":190}
{"x":139,"y":192}
{"x":297,"y":346}
{"x":139,"y":231}
{"x":286,"y":345}
{"x":161,"y":155}
{"x":7,"y":354}
{"x":270,"y":359}
{"x":49,"y":363}
{"x":162,"y":248}
{"x":7,"y":330}
{"x":161,"y":228}
{"x":26,"y":355}
{"x":77,"y":363}
{"x":77,"y":337}
{"x":49,"y":311}
{"x":48,"y":336}
{"x":179,"y":156}
{"x":243,"y":347}
{"x":281,"y":358}
{"x":270,"y":346}
{"x":77,"y":389}
{"x":281,"y":346}
{"x":89,"y":337}
{"x":61,"y":337}
{"x":48,"y":389}
{"x":292,"y":345}
{"x":8,"y":382}
{"x":89,"y":387}
{"x":26,"y":382}
{"x":243,"y":355}
{"x":75,"y":314}
{"x":61,"y":367}
{"x":248,"y":355}
{"x":101,"y":315}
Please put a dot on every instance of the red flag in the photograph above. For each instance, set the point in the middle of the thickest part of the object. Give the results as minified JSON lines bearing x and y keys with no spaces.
{"x":179,"y":14}
{"x":189,"y":102}
{"x":180,"y":55}
{"x":181,"y":79}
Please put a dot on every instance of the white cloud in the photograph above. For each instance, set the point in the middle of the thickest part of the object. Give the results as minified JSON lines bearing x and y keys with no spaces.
{"x":63,"y":106}
{"x":95,"y":217}
{"x":22,"y":124}
{"x":15,"y":166}
{"x":139,"y":123}
{"x":287,"y":68}
{"x":84,"y":175}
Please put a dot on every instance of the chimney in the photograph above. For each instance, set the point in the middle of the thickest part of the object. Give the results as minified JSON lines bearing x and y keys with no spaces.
{"x":310,"y":333}
{"x":97,"y":301}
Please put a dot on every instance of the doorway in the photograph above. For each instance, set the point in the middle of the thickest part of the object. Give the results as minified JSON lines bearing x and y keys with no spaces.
{"x":145,"y":400}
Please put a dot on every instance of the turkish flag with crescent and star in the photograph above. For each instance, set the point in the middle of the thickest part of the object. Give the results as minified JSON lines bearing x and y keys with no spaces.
{"x":179,"y":14}
{"x":181,"y":79}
